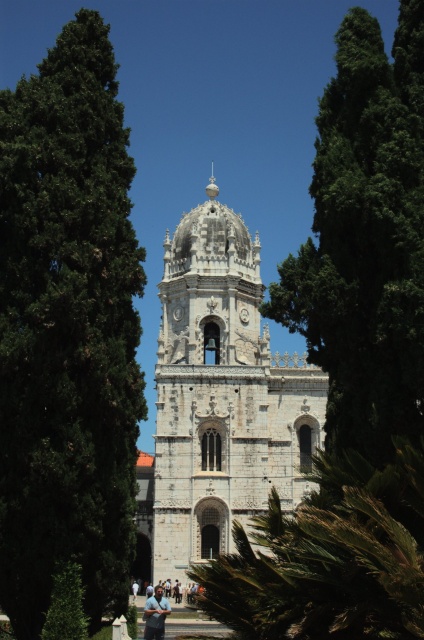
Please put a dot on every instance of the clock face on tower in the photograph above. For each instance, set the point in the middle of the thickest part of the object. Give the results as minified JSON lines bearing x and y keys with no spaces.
{"x":244,"y":315}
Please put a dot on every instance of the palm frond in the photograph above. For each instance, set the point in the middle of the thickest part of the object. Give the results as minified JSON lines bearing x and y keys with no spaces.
{"x":399,"y":536}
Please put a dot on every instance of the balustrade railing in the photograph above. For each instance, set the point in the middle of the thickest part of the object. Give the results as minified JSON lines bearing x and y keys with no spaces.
{"x":295,"y":361}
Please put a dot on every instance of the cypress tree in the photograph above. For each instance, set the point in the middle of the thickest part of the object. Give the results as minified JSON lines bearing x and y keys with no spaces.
{"x":356,"y":294}
{"x":71,"y":393}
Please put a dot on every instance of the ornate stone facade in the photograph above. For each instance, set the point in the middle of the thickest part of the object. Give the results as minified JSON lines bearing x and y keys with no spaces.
{"x":232,"y":420}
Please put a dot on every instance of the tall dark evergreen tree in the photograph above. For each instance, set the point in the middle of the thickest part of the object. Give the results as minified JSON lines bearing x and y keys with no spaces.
{"x":358,"y":294}
{"x":71,"y":393}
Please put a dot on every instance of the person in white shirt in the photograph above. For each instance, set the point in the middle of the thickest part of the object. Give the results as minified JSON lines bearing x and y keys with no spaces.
{"x":135,"y":589}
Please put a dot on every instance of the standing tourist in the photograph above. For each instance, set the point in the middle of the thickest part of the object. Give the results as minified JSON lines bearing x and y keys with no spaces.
{"x":176,"y":592}
{"x":156,"y":609}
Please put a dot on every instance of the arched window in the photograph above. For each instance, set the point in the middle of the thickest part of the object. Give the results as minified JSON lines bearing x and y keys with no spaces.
{"x":211,"y":343}
{"x":211,"y":451}
{"x":305,"y":446}
{"x":210,"y":533}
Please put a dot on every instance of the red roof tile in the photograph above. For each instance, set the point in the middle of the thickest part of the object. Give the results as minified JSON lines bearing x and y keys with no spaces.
{"x":145,"y":459}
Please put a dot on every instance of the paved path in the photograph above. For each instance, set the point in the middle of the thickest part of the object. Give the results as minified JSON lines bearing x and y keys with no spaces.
{"x":184,"y":626}
{"x":187,"y":627}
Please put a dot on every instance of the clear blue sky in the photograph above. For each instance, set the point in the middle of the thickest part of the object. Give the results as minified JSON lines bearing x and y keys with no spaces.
{"x":235,"y":82}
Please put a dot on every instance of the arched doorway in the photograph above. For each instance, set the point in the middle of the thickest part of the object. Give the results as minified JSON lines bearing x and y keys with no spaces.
{"x":210,"y":542}
{"x":211,"y":522}
{"x":141,"y":568}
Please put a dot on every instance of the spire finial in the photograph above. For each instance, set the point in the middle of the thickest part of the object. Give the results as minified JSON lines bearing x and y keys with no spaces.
{"x":212,"y":178}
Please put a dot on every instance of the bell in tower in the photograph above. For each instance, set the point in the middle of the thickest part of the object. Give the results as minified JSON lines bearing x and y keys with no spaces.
{"x":211,"y":343}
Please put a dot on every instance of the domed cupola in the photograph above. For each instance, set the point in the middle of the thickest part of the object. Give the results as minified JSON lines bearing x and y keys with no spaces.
{"x":212,"y":237}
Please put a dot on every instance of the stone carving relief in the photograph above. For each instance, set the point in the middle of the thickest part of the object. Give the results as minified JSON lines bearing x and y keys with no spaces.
{"x":284,"y":490}
{"x":246,"y":349}
{"x":177,"y":348}
{"x":244,"y":316}
{"x":249,"y":502}
{"x":174,"y":502}
{"x":305,"y":408}
{"x":210,"y":489}
{"x":245,"y":352}
{"x":214,"y":371}
{"x":212,"y":413}
{"x":212,"y":304}
{"x":178,"y":313}
{"x":246,"y":338}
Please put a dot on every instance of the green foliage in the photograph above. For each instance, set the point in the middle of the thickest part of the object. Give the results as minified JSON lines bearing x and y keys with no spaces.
{"x":357,"y":294}
{"x":349,"y":564}
{"x":132,"y":625}
{"x":105,"y":633}
{"x":71,"y":393}
{"x":65,"y":617}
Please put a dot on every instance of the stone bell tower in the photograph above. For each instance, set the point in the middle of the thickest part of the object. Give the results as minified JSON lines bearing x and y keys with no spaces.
{"x":211,"y":290}
{"x":214,"y":436}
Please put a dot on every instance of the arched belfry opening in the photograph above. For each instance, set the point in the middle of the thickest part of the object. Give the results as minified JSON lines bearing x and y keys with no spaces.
{"x":211,"y":343}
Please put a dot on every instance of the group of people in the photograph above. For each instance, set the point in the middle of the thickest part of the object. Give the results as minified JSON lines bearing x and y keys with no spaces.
{"x":194,"y":589}
{"x":177,"y":590}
